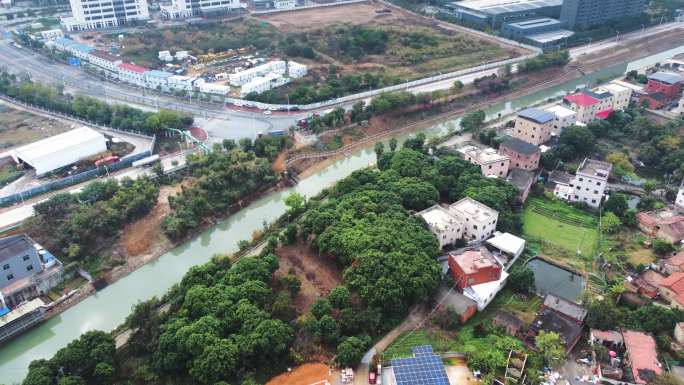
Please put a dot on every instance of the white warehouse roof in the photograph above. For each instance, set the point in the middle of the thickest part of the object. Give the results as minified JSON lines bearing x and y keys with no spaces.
{"x":507,"y":243}
{"x":61,"y":150}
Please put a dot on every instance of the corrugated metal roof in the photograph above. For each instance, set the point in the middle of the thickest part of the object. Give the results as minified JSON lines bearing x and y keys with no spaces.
{"x":57,"y":143}
{"x":537,"y":115}
{"x":158,"y":74}
{"x":495,"y":7}
{"x":666,"y":77}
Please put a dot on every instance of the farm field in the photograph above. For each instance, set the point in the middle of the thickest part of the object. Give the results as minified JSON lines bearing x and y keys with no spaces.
{"x":19,"y":127}
{"x":561,"y":226}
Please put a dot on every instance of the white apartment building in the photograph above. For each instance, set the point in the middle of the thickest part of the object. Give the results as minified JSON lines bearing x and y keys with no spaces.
{"x":590,"y":182}
{"x":479,"y":221}
{"x":181,"y":9}
{"x":211,"y":88}
{"x":132,"y":74}
{"x":158,"y":80}
{"x":533,"y":126}
{"x":491,"y":162}
{"x":296,"y":70}
{"x":95,"y":14}
{"x":679,"y":201}
{"x":444,"y":225}
{"x":243,"y":77}
{"x":621,"y":95}
{"x":565,"y":117}
{"x":104,"y":60}
{"x":178,"y":82}
{"x":284,"y":4}
{"x":263,"y":84}
{"x":51,"y":34}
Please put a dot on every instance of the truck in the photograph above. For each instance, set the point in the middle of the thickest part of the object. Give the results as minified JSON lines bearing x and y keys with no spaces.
{"x":106,"y":161}
{"x":146,"y":161}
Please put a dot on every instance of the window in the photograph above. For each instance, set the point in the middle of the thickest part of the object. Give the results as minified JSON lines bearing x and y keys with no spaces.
{"x":593,"y":201}
{"x":598,"y":183}
{"x":475,"y":227}
{"x":471,"y":280}
{"x":25,"y":257}
{"x":10,"y":277}
{"x":595,"y":192}
{"x":29,"y":267}
{"x":5,"y":266}
{"x":581,"y":179}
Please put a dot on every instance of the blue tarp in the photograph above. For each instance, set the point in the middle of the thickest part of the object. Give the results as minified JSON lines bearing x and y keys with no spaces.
{"x":4,"y":311}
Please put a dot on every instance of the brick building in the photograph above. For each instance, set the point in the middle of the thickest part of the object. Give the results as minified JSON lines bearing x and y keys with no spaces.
{"x":533,"y":126}
{"x":668,"y":83}
{"x":523,"y":155}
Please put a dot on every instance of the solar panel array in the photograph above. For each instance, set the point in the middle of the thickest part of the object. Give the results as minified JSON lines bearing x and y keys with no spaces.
{"x":425,"y":368}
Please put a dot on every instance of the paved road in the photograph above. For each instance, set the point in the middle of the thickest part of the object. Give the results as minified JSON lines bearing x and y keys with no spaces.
{"x":614,"y":41}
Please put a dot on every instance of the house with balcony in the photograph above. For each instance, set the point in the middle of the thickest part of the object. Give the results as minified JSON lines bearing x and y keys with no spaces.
{"x":446,"y":227}
{"x":479,"y":220}
{"x":491,"y":162}
{"x":27,"y":270}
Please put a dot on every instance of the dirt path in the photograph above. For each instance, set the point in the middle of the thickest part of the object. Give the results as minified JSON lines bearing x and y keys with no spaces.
{"x":307,"y":374}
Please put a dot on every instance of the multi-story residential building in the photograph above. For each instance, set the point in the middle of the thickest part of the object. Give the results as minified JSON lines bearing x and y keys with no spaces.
{"x":181,"y":9}
{"x":565,"y":117}
{"x":523,"y":155}
{"x":446,"y":227}
{"x":668,"y":83}
{"x":132,"y":74}
{"x":26,"y":270}
{"x":523,"y":181}
{"x":105,"y":61}
{"x":491,"y":162}
{"x":590,"y":182}
{"x":479,"y":221}
{"x":284,"y":4}
{"x":95,"y":14}
{"x":181,"y":83}
{"x":583,"y":14}
{"x":478,"y":275}
{"x":52,"y":34}
{"x":296,"y":70}
{"x":79,"y":50}
{"x":243,"y":77}
{"x":586,"y":107}
{"x":263,"y":83}
{"x":621,"y":95}
{"x":533,"y":126}
{"x":604,"y":98}
{"x":158,"y":80}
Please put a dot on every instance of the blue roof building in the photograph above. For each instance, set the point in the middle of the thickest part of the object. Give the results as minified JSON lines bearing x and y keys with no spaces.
{"x":424,"y":368}
{"x":666,"y":77}
{"x":536,"y":115}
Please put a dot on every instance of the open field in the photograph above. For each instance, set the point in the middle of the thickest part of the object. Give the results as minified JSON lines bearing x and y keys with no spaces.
{"x":560,"y":225}
{"x":20,"y":127}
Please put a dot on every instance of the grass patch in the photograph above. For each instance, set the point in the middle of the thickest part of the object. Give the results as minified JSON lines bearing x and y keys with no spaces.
{"x":8,"y":174}
{"x":558,"y":224}
{"x":401,"y":347}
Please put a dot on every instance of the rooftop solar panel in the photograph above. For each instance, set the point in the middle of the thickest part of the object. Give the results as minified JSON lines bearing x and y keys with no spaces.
{"x":425,"y":368}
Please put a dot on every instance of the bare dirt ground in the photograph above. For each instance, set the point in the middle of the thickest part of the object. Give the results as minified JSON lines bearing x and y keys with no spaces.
{"x":318,"y":275}
{"x":317,"y":18}
{"x":142,"y":240}
{"x":306,"y":374}
{"x":21,"y":127}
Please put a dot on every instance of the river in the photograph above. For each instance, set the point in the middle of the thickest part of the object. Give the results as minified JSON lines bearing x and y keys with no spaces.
{"x":109,"y":307}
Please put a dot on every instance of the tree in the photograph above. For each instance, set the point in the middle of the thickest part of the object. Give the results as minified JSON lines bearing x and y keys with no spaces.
{"x":610,"y":223}
{"x":666,"y":378}
{"x":473,"y":121}
{"x":621,"y":163}
{"x":617,"y":204}
{"x":649,"y":186}
{"x":457,"y":87}
{"x":662,"y":247}
{"x":339,"y":297}
{"x":379,"y":149}
{"x":320,"y":308}
{"x":521,"y":280}
{"x":575,"y":142}
{"x":351,"y":350}
{"x":393,"y":144}
{"x":296,"y":203}
{"x":550,"y":346}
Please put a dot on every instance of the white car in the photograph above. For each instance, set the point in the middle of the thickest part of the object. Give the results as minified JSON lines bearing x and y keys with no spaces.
{"x":273,"y":108}
{"x":267,"y":112}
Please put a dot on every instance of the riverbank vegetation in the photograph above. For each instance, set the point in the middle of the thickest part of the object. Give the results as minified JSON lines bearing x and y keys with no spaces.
{"x":117,"y":116}
{"x":79,"y":227}
{"x":221,"y":178}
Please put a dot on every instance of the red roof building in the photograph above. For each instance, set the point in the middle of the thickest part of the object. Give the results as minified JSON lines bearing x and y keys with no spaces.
{"x":642,"y":356}
{"x":474,"y":267}
{"x":581,"y":99}
{"x":674,"y":264}
{"x":133,"y":68}
{"x":605,"y":114}
{"x":672,"y":288}
{"x":662,"y":224}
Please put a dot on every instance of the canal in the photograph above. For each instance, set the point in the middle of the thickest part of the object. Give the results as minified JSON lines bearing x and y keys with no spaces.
{"x":109,"y":307}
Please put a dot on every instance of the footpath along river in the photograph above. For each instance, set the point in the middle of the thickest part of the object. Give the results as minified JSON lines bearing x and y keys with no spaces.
{"x":110,"y":306}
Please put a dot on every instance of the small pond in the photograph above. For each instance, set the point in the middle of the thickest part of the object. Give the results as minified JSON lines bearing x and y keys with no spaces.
{"x":551,"y":279}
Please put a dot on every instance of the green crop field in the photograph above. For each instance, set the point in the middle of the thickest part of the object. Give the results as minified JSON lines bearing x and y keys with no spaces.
{"x":561,"y":225}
